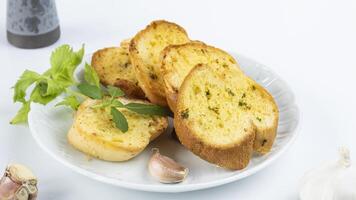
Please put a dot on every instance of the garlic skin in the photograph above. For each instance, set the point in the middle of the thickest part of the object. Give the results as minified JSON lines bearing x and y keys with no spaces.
{"x":331,"y":181}
{"x":18,"y":183}
{"x":165,"y":169}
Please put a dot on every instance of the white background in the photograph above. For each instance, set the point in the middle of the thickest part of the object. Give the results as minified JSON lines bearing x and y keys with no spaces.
{"x":309,"y":43}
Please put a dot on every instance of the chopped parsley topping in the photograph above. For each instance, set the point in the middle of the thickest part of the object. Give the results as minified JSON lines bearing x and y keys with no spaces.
{"x":185,"y":114}
{"x":231,"y":93}
{"x":207,"y":94}
{"x":153,"y":76}
{"x":241,"y":103}
{"x":244,"y":105}
{"x":203,"y":51}
{"x":264,"y":142}
{"x":214,"y":109}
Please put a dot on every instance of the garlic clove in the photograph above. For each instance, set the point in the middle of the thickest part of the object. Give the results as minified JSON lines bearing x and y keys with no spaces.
{"x":331,"y":181}
{"x":165,"y":169}
{"x":18,"y":183}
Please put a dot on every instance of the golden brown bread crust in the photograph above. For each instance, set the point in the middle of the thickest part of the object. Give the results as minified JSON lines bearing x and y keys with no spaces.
{"x":98,"y":148}
{"x":130,"y":87}
{"x":265,"y":138}
{"x":170,"y":90}
{"x":235,"y":157}
{"x":155,"y":95}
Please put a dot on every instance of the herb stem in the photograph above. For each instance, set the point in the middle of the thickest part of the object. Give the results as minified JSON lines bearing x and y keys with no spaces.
{"x":75,"y":93}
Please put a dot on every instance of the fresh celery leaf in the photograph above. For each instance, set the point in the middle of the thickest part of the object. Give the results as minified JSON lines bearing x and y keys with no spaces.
{"x":148,"y":109}
{"x":60,"y":57}
{"x":50,"y":87}
{"x":50,"y":84}
{"x":119,"y":119}
{"x":90,"y":75}
{"x":42,"y":87}
{"x":65,"y":57}
{"x":115,"y":91}
{"x":26,"y":79}
{"x":38,"y":98}
{"x":64,"y":61}
{"x":22,"y":114}
{"x":91,"y":91}
{"x":78,"y":56}
{"x":70,"y":101}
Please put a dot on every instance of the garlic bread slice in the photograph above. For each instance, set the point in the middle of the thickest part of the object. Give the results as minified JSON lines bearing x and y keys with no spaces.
{"x":223,"y":116}
{"x":178,"y":60}
{"x":94,"y":133}
{"x":145,"y":51}
{"x":113,"y":67}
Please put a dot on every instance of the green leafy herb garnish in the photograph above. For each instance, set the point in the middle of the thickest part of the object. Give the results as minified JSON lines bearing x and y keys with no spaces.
{"x":119,"y":119}
{"x":147,"y":109}
{"x":49,"y":85}
{"x":59,"y":79}
{"x":26,"y":79}
{"x":21,"y":115}
{"x":91,"y":76}
{"x":114,"y":103}
{"x":91,"y":91}
{"x":115,"y":92}
{"x":70,"y":101}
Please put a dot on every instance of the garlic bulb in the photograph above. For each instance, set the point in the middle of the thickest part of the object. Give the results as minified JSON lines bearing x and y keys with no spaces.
{"x":331,"y":181}
{"x":165,"y":169}
{"x":18,"y":183}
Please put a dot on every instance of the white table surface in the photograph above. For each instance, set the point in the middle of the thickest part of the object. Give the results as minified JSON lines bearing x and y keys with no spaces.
{"x":311,"y":44}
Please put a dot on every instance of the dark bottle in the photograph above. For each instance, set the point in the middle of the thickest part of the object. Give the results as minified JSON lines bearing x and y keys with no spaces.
{"x":32,"y":23}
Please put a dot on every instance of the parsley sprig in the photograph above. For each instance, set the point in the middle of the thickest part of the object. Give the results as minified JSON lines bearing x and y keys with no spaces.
{"x":59,"y":79}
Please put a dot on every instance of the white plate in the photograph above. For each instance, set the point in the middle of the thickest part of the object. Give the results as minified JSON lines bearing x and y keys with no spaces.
{"x":49,"y":126}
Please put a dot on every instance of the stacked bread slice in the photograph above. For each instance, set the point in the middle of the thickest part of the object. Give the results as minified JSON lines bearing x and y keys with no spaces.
{"x":113,"y":65}
{"x":145,"y":54}
{"x":220,"y":114}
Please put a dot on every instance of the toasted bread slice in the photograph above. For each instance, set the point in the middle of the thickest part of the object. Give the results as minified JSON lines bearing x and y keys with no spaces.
{"x":145,"y":50}
{"x":178,"y":60}
{"x":94,"y":133}
{"x":114,"y":67}
{"x":222,"y":115}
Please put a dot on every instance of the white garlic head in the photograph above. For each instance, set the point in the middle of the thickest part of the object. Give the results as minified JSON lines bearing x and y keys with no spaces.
{"x":331,"y":181}
{"x":18,"y":183}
